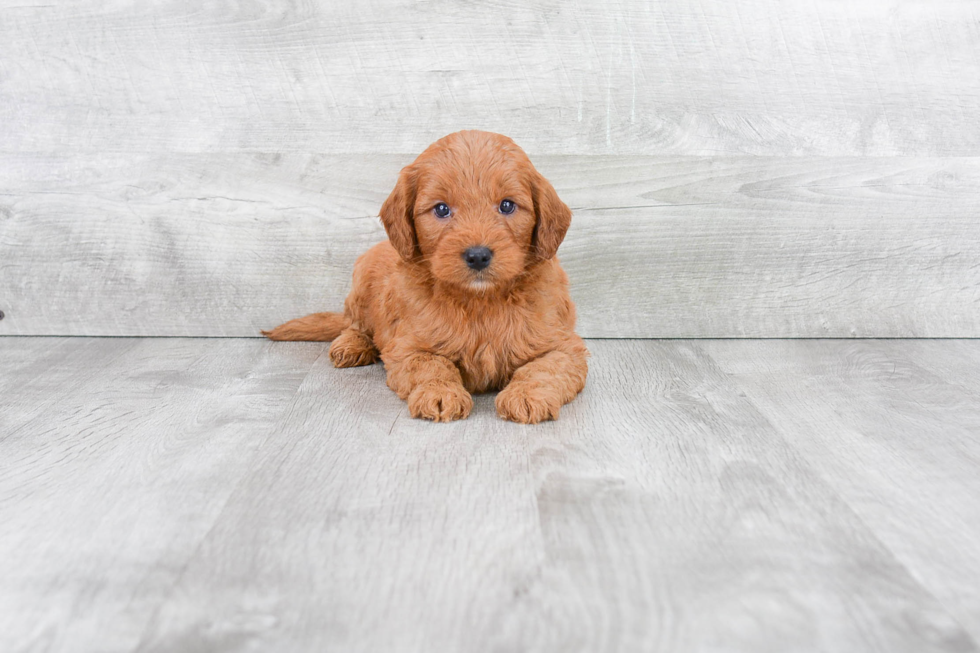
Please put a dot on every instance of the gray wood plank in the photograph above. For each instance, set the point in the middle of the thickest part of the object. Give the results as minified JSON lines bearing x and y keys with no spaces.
{"x":892,"y":426}
{"x":114,"y":462}
{"x":231,"y":495}
{"x":221,"y":244}
{"x":56,"y":360}
{"x":880,"y":77}
{"x":957,"y":366}
{"x":663,"y":512}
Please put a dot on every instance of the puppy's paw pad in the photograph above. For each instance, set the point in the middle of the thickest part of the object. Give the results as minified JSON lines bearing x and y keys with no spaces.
{"x":352,"y":349}
{"x":527,"y":404}
{"x":440,"y":402}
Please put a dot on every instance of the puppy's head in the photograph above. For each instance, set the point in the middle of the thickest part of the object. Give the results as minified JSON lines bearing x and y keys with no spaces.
{"x":474,"y":209}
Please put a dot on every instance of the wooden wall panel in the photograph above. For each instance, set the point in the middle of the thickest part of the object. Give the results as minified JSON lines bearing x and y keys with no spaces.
{"x":759,"y":168}
{"x":226,"y":244}
{"x":767,"y":77}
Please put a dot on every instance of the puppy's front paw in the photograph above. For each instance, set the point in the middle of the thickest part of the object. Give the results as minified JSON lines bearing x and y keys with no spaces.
{"x":527,"y":404}
{"x":440,"y":402}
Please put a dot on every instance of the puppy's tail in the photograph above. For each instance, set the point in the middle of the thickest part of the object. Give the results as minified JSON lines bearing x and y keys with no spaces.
{"x":321,"y":327}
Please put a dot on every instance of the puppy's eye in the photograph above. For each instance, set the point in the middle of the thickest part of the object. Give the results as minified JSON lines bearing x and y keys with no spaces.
{"x":507,"y":207}
{"x":442,"y":210}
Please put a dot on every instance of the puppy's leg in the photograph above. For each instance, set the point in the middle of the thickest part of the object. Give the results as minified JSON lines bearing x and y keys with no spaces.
{"x":321,"y":327}
{"x":540,"y":388}
{"x":432,"y":386}
{"x":353,"y":348}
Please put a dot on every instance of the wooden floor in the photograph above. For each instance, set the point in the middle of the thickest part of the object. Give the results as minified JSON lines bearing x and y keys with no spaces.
{"x":241,"y":495}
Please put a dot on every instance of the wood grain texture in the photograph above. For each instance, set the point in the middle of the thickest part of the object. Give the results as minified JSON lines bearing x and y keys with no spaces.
{"x":880,"y":77}
{"x":117,"y":455}
{"x":244,"y":495}
{"x":893,"y":428}
{"x":223,"y":245}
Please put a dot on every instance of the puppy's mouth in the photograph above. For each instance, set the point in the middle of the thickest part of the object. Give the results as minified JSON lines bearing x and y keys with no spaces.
{"x":478,"y":279}
{"x":480,"y":283}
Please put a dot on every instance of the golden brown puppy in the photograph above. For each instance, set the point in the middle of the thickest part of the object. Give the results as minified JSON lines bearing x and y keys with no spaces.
{"x":466,"y":295}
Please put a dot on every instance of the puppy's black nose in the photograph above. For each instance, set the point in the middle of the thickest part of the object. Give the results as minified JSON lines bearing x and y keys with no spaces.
{"x":477,"y":258}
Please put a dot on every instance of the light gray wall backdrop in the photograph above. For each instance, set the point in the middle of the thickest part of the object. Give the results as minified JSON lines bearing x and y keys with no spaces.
{"x":759,"y":168}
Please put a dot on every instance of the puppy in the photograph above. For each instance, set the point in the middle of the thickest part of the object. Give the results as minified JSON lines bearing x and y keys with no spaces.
{"x":466,"y":295}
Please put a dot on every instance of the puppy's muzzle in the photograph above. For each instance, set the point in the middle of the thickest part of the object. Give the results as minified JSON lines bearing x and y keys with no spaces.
{"x":477,"y":258}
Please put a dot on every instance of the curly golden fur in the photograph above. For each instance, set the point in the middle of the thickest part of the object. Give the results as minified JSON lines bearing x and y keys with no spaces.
{"x":443,"y":327}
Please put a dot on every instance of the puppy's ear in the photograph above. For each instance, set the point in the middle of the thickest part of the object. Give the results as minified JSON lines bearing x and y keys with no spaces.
{"x":398,"y":214}
{"x":553,"y":217}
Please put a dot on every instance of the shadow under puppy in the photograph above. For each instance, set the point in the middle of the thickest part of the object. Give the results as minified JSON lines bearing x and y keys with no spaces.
{"x":466,"y":295}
